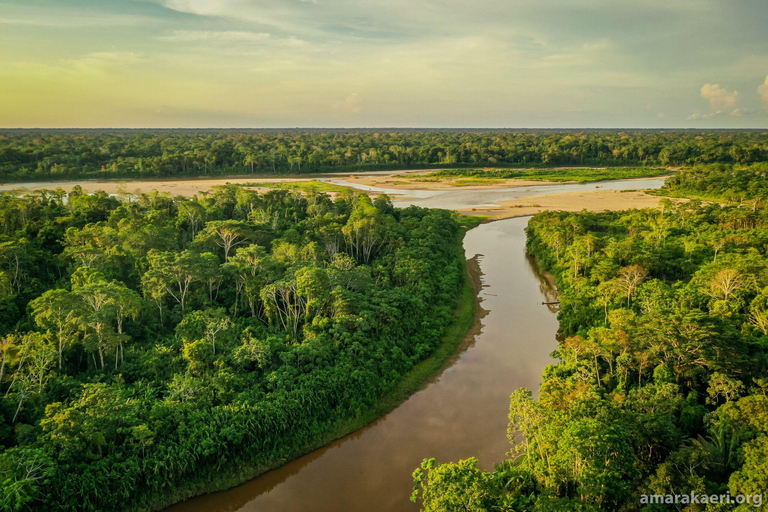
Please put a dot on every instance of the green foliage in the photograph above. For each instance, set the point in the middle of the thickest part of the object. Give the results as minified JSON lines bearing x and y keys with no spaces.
{"x":24,"y":475}
{"x":311,"y":187}
{"x":437,"y":484}
{"x":582,"y":175}
{"x":733,"y":183}
{"x":65,"y":154}
{"x":147,"y":343}
{"x":660,"y":385}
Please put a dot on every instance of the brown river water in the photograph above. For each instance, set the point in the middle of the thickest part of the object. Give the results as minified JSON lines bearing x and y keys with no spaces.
{"x":461,"y":413}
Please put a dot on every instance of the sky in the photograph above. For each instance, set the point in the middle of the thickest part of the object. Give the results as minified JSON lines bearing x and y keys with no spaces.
{"x":384,"y":63}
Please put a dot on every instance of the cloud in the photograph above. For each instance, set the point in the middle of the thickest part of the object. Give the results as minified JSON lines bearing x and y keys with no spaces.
{"x":763,"y":90}
{"x":737,"y":113}
{"x":200,"y":7}
{"x":215,"y":36}
{"x":719,"y":98}
{"x":350,"y":105}
{"x":390,"y":62}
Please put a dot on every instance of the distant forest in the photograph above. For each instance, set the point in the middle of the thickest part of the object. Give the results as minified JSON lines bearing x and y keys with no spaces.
{"x":28,"y":155}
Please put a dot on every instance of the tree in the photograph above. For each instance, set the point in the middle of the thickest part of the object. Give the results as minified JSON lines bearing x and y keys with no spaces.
{"x":247,"y":267}
{"x":193,"y":213}
{"x":364,"y":231}
{"x":226,"y":234}
{"x":57,"y":311}
{"x":173,"y":273}
{"x":15,"y":256}
{"x":606,"y":292}
{"x":629,"y":279}
{"x":96,"y":317}
{"x":144,"y":436}
{"x":91,"y":245}
{"x":127,"y":304}
{"x":32,"y":374}
{"x":599,"y":459}
{"x":24,"y":474}
{"x":725,"y":283}
{"x":459,"y":487}
{"x":285,"y":304}
{"x":253,"y":349}
{"x":758,"y":316}
{"x":207,"y":324}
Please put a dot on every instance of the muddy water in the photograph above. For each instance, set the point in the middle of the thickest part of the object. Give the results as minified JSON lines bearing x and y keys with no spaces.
{"x":464,"y":198}
{"x":461,"y":414}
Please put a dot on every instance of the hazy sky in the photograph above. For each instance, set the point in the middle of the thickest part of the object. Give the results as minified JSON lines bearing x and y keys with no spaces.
{"x":406,"y":63}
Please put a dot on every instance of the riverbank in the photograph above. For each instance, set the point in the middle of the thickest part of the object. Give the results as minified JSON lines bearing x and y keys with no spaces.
{"x":427,"y":181}
{"x":424,"y":183}
{"x":192,"y":186}
{"x":370,"y":470}
{"x":189,"y":186}
{"x":458,"y":336}
{"x":593,"y":201}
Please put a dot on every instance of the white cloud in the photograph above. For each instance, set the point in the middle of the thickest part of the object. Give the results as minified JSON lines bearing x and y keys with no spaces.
{"x":763,"y":90}
{"x":201,"y":7}
{"x":719,"y":98}
{"x":737,"y":113}
{"x":215,"y":36}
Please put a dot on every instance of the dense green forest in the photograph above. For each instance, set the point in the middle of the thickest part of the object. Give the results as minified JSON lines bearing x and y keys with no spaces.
{"x":732,"y":183}
{"x":152,"y":344}
{"x":63,"y":154}
{"x":661,"y":386}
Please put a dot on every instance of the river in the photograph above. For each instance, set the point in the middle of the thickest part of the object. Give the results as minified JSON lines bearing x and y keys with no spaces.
{"x":462,"y":413}
{"x":460,"y":199}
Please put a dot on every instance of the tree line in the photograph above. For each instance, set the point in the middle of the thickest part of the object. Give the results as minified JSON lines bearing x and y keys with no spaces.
{"x":722,"y":182}
{"x":149,"y":342}
{"x":660,"y":386}
{"x":66,"y":154}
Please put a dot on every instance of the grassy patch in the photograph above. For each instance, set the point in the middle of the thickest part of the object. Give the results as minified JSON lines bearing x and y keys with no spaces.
{"x":476,"y":181}
{"x":470,"y":221}
{"x":304,"y":186}
{"x":582,"y":175}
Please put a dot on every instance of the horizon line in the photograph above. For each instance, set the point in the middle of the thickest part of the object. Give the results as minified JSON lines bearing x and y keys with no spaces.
{"x":392,"y":128}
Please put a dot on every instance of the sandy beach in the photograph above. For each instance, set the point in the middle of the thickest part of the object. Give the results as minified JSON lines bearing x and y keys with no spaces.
{"x":184,"y":187}
{"x":413,"y":179}
{"x":593,"y":201}
{"x":422,"y":183}
{"x":189,"y":187}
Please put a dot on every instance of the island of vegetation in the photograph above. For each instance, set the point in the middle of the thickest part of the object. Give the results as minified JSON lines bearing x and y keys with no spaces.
{"x":154,"y":348}
{"x":579,"y":174}
{"x":661,"y":385}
